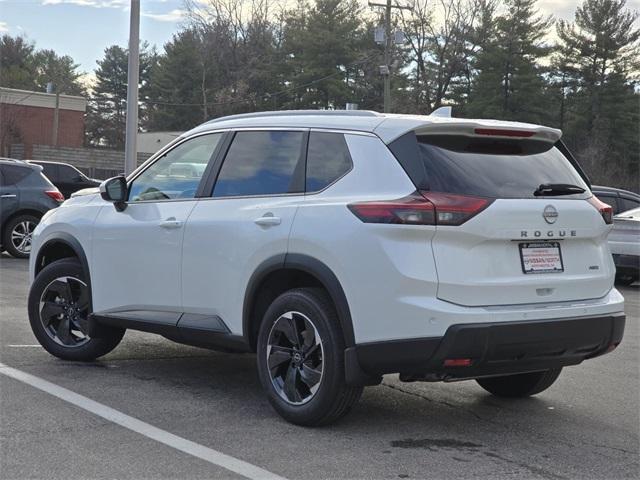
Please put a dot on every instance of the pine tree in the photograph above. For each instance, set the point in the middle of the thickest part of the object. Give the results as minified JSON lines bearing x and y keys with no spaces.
{"x":320,"y":44}
{"x":601,"y":52}
{"x":61,"y":70}
{"x":510,"y":83}
{"x":17,"y":63}
{"x":106,"y":115}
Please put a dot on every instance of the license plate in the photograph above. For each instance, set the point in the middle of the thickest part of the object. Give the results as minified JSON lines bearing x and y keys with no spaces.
{"x":541,"y":257}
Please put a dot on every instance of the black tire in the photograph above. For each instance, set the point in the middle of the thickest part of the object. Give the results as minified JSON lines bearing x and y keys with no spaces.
{"x":90,"y":348}
{"x":332,"y":398}
{"x":626,"y":280}
{"x":520,"y":385}
{"x":10,"y":226}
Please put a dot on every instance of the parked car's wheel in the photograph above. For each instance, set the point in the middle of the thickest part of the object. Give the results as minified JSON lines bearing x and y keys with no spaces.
{"x":17,"y":235}
{"x":626,"y":280}
{"x":301,"y":359}
{"x":59,"y":305}
{"x":520,"y":385}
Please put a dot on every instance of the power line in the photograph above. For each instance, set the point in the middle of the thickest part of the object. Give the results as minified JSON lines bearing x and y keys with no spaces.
{"x":264,"y":96}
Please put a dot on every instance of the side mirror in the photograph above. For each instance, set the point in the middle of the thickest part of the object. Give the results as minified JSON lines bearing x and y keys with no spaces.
{"x":114,"y":190}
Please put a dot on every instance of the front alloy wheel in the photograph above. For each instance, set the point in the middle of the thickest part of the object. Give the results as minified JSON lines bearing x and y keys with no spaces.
{"x":295,"y":357}
{"x":64,"y":307}
{"x":59,"y":309}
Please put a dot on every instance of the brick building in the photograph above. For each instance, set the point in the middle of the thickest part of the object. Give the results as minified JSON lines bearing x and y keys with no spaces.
{"x":27,"y":118}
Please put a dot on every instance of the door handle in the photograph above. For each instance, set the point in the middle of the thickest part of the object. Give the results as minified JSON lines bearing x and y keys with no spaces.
{"x":267,"y":220}
{"x":171,"y":222}
{"x":8,"y":195}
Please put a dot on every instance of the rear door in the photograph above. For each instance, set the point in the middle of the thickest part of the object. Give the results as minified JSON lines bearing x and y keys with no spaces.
{"x":522,"y":247}
{"x":245,"y":222}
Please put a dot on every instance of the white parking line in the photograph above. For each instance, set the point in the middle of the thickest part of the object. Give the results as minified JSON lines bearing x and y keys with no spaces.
{"x":200,"y":451}
{"x":25,"y":346}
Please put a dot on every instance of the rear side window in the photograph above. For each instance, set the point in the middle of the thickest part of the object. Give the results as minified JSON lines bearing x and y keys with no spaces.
{"x":261,"y":163}
{"x":482,"y":167}
{"x":13,"y":174}
{"x":628,"y":204}
{"x":327,"y":159}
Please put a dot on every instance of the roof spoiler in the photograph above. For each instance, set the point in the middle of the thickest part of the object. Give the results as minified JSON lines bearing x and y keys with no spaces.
{"x":445,"y":112}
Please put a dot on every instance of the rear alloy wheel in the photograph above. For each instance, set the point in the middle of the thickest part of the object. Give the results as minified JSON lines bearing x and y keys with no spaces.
{"x":59,"y":308}
{"x":18,"y":234}
{"x":301,"y":359}
{"x":295,"y":358}
{"x":520,"y":385}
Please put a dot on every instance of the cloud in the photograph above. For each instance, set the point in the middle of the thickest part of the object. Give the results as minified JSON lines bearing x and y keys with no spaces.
{"x":4,"y":27}
{"x":172,"y":16}
{"x":89,"y":3}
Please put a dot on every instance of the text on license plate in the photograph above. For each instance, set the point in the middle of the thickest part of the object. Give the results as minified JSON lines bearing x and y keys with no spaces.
{"x":541,"y":257}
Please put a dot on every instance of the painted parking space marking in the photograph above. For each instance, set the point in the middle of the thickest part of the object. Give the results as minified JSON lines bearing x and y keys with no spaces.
{"x":174,"y":441}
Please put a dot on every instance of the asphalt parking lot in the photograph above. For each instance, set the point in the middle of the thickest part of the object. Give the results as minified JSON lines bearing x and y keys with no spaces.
{"x":586,"y":425}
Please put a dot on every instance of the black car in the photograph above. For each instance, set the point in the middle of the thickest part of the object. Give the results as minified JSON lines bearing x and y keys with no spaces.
{"x":620,"y":200}
{"x":66,"y":177}
{"x":25,"y":195}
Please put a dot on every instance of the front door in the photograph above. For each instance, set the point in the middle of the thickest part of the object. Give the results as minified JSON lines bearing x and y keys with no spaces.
{"x":137,"y":252}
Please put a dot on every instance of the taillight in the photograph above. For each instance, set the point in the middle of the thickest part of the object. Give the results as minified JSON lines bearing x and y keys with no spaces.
{"x":454,"y":209}
{"x":421,"y":208}
{"x":411,"y":210}
{"x":55,"y":194}
{"x":605,"y":210}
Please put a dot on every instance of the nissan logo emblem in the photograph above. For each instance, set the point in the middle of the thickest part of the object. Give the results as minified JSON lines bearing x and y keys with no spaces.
{"x":550,"y":214}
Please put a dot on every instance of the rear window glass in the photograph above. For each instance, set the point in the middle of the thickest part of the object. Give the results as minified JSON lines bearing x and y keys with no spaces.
{"x":485,"y":167}
{"x":13,"y":174}
{"x":328,"y":159}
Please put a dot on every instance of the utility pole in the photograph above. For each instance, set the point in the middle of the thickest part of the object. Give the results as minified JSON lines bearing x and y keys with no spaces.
{"x":386,"y":68}
{"x":51,"y":86}
{"x":130,"y":151}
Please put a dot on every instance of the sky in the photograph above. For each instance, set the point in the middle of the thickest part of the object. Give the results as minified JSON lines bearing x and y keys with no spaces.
{"x":84,"y":28}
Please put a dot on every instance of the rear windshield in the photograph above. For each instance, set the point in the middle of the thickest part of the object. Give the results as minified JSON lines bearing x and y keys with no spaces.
{"x":484,"y":167}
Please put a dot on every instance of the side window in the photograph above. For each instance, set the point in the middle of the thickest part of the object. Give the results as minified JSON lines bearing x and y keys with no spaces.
{"x":628,"y":203}
{"x":261,"y":163}
{"x":327,"y":159}
{"x":67,"y":173}
{"x":177,"y":173}
{"x":13,"y":174}
{"x":610,"y":200}
{"x":50,"y":171}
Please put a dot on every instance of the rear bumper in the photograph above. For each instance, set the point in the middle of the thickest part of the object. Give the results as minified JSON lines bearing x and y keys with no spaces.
{"x":493,"y":348}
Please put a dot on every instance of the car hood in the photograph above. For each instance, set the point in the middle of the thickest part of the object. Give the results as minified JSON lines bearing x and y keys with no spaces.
{"x":85,"y":191}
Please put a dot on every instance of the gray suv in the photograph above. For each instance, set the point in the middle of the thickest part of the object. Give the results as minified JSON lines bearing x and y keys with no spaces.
{"x":25,"y":195}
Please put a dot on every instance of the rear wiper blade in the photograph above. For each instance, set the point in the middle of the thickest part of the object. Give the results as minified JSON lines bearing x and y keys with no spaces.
{"x":557,"y":189}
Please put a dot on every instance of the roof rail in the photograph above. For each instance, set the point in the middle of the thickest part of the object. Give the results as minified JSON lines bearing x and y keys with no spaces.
{"x":288,"y":113}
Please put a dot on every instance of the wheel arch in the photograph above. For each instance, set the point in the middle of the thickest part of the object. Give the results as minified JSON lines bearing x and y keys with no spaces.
{"x":24,"y":211}
{"x":281,"y":273}
{"x":62,"y":246}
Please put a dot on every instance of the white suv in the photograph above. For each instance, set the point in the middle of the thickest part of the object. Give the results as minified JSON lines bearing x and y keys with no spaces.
{"x":341,"y":246}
